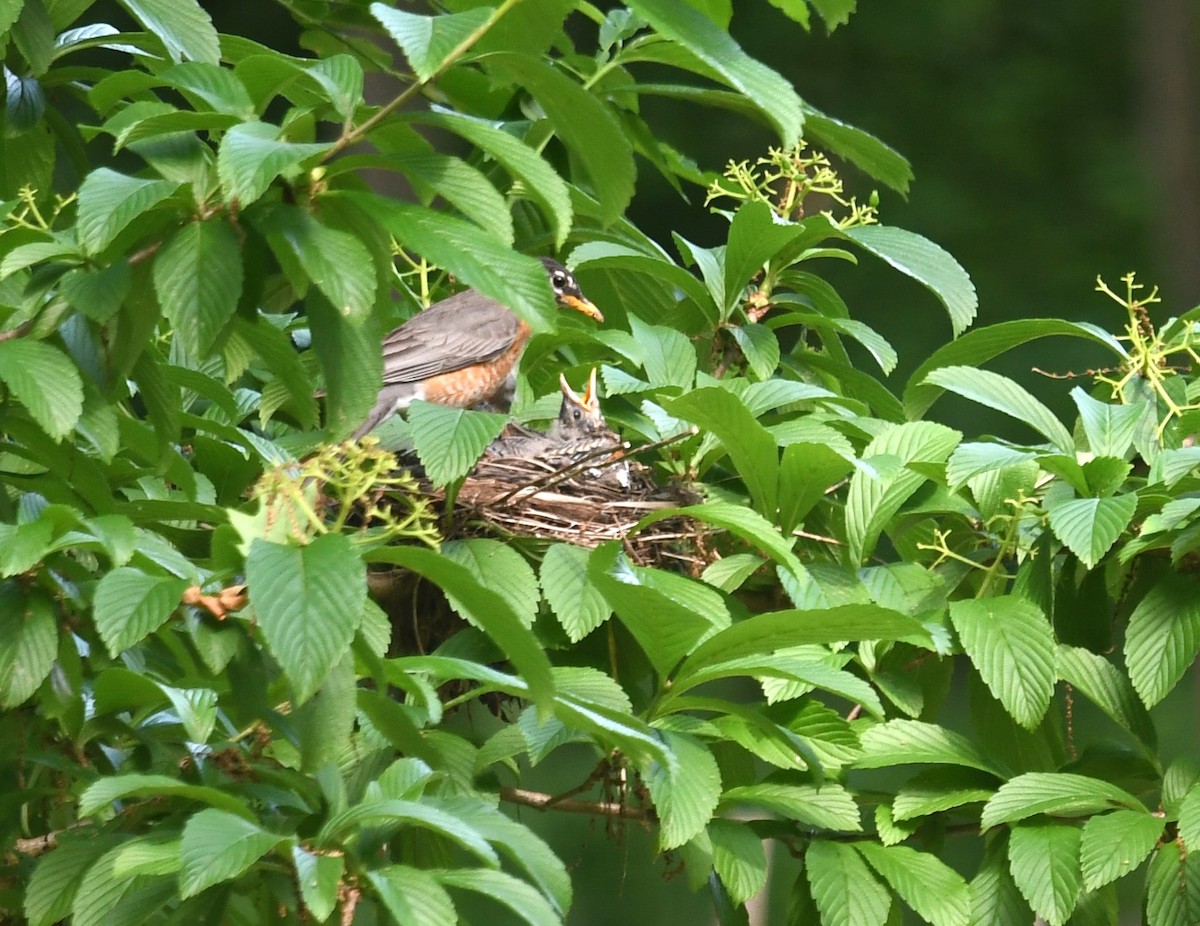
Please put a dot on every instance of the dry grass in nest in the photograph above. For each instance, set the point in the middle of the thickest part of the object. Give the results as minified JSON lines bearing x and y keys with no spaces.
{"x":601,"y":497}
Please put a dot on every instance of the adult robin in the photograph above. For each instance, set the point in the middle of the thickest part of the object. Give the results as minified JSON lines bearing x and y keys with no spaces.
{"x":460,"y":351}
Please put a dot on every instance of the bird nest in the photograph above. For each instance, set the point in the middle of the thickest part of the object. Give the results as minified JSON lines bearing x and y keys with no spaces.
{"x":602,"y":496}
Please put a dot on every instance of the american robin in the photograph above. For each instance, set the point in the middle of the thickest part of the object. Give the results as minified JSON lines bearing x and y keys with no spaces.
{"x":461,"y":350}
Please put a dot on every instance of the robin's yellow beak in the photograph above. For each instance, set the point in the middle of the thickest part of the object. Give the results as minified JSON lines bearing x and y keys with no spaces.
{"x":581,"y":304}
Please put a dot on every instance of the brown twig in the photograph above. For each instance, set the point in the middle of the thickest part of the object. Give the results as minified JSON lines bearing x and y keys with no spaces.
{"x":540,"y":800}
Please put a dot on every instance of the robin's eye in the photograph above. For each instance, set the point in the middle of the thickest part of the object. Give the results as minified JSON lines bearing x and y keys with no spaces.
{"x":560,"y":280}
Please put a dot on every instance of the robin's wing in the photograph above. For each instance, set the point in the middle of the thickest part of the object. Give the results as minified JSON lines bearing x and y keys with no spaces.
{"x":461,"y":331}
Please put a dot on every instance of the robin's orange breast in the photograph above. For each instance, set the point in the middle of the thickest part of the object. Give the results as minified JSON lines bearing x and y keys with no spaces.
{"x":476,"y":382}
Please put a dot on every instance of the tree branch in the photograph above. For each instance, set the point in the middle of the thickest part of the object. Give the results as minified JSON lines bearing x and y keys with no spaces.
{"x":540,"y":800}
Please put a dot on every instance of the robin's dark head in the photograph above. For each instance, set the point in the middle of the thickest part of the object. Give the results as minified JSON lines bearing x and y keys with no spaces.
{"x":566,"y":290}
{"x":579,"y":415}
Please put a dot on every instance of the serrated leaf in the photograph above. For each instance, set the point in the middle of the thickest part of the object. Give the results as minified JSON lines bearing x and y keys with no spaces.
{"x":336,"y":261}
{"x":748,"y":443}
{"x":1116,"y":843}
{"x":685,"y":791}
{"x":130,"y":605}
{"x":1090,"y":526}
{"x":539,"y":181}
{"x":995,"y":900}
{"x":668,"y":356}
{"x":1044,"y":861}
{"x":413,"y":896}
{"x":198,"y":278}
{"x":754,"y":238}
{"x":860,"y":148}
{"x":29,"y":629}
{"x":768,"y":90}
{"x":500,"y":568}
{"x":1010,"y":642}
{"x":319,"y":878}
{"x":103,"y":897}
{"x":464,"y":187}
{"x":183,"y":26}
{"x":843,"y":887}
{"x":427,"y":41}
{"x":901,"y":742}
{"x":739,"y":858}
{"x":309,"y":602}
{"x":52,"y":887}
{"x":488,"y":610}
{"x":109,"y":202}
{"x":1060,"y":794}
{"x":104,"y":791}
{"x":1173,"y":887}
{"x":252,"y":155}
{"x":1107,"y":687}
{"x":936,"y":892}
{"x":741,"y":521}
{"x":586,"y":127}
{"x":519,"y":897}
{"x":1109,"y":428}
{"x":828,"y":807}
{"x":1004,"y":395}
{"x":1163,"y":637}
{"x":218,"y":846}
{"x":885,"y":481}
{"x":761,"y":348}
{"x":925,"y":262}
{"x":26,"y":367}
{"x":578,"y":605}
{"x":450,"y":441}
{"x":938,"y":790}
{"x":974,"y":459}
{"x":218,"y":87}
{"x":1189,"y":819}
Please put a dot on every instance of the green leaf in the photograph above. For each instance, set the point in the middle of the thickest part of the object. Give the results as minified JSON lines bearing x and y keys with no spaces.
{"x":1172,"y":887}
{"x":667,"y":355}
{"x":109,"y":202}
{"x":883,"y":482}
{"x":1106,"y":686}
{"x":925,"y":262}
{"x":936,"y":892}
{"x":218,"y":846}
{"x":500,"y":568}
{"x":806,"y":471}
{"x":413,"y":896}
{"x":845,"y":891}
{"x":739,"y":858}
{"x":766,"y":633}
{"x":538,"y":180}
{"x":1189,"y":819}
{"x":462,"y":186}
{"x":761,"y":347}
{"x":450,"y":441}
{"x":1090,"y":526}
{"x":976,"y":347}
{"x":975,"y":459}
{"x":26,"y":367}
{"x":427,"y":41}
{"x":309,"y":602}
{"x":130,"y":605}
{"x":1011,"y":644}
{"x":834,"y":12}
{"x":828,"y":807}
{"x":937,"y":790}
{"x":488,"y":610}
{"x":901,"y":742}
{"x":578,"y":605}
{"x":198,"y":278}
{"x":754,"y":238}
{"x":1116,"y":843}
{"x":740,"y":521}
{"x":182,"y":25}
{"x":685,"y":791}
{"x":351,"y":363}
{"x":750,"y":446}
{"x":319,"y":878}
{"x":1163,"y":637}
{"x":252,"y":155}
{"x":769,"y":91}
{"x":29,"y":629}
{"x":52,"y":887}
{"x":667,"y":614}
{"x":1059,"y":794}
{"x":105,"y":897}
{"x":103,"y":792}
{"x":1004,"y":395}
{"x":523,"y":900}
{"x":336,"y":261}
{"x":995,"y":900}
{"x":218,"y":87}
{"x":586,"y":127}
{"x":860,"y":148}
{"x":1110,"y":429}
{"x":1044,"y":861}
